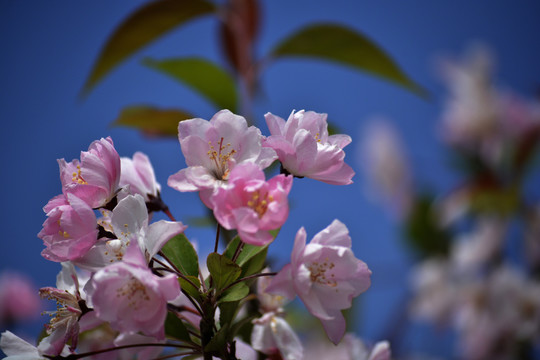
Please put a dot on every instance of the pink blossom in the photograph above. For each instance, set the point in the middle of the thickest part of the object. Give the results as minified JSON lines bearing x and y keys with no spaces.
{"x":138,"y":173}
{"x":252,"y":205}
{"x":18,"y":349}
{"x":271,"y":334}
{"x":64,"y":325}
{"x":386,"y":167}
{"x":213,"y":148}
{"x":18,"y":298}
{"x":351,"y":348}
{"x":129,"y":222}
{"x":326,"y":275}
{"x":130,"y":297}
{"x":304,"y":147}
{"x":94,"y":178}
{"x":70,"y":229}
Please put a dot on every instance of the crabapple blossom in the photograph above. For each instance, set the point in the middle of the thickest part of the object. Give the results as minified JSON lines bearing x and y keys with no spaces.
{"x":18,"y":299}
{"x":351,"y":348}
{"x":437,"y":290}
{"x":71,"y":306}
{"x":130,"y":297}
{"x":252,"y":205}
{"x":304,"y":147}
{"x":271,"y":333}
{"x":138,"y":173}
{"x":129,"y":221}
{"x":70,"y":229}
{"x":95,"y":178}
{"x":326,"y":276}
{"x":386,"y":167}
{"x":18,"y":349}
{"x":213,"y":148}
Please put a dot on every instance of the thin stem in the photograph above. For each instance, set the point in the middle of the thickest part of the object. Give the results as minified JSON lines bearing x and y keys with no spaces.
{"x":217,"y":238}
{"x":80,"y":356}
{"x":168,"y":213}
{"x":193,"y":302}
{"x":248,"y":278}
{"x":238,"y":251}
{"x":175,"y":355}
{"x":177,"y":271}
{"x":182,"y":308}
{"x":193,"y":333}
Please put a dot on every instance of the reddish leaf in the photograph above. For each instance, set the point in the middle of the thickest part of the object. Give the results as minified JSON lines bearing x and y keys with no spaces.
{"x":239,"y":31}
{"x":152,"y":121}
{"x":142,"y":27}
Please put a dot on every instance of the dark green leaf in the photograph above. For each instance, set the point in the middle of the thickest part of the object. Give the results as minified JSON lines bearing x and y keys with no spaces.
{"x":188,"y":288}
{"x":227,"y":312}
{"x":203,"y":76}
{"x":345,"y":46}
{"x":248,"y":251}
{"x":235,"y":293}
{"x":182,"y":254}
{"x":222,"y":270}
{"x":145,"y":25}
{"x":175,"y":328}
{"x":255,"y":263}
{"x":424,"y":233}
{"x":152,"y":121}
{"x":219,"y":340}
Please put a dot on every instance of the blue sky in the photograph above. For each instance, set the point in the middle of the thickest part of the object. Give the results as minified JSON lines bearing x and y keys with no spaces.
{"x":48,"y":49}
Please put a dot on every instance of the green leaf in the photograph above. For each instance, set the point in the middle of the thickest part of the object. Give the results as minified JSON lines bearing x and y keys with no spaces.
{"x":152,"y":121}
{"x":219,"y":340}
{"x":248,"y":251}
{"x":345,"y":46}
{"x":235,"y":293}
{"x":142,"y":27}
{"x":175,"y":328}
{"x":205,"y":77}
{"x":182,"y":254}
{"x":187,"y":287}
{"x":255,"y":263}
{"x":424,"y":232}
{"x":227,"y":312}
{"x":222,"y":269}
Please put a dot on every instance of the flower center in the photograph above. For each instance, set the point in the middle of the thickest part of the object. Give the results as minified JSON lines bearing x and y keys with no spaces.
{"x":260,"y":203}
{"x":67,"y":307}
{"x":221,"y":158}
{"x":77,"y":177}
{"x":318,"y":273}
{"x":134,"y":292}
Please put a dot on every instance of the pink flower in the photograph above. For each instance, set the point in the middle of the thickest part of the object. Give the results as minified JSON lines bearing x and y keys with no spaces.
{"x":129,"y":222}
{"x":351,"y":348}
{"x":70,"y":229}
{"x":305,"y":149}
{"x":18,"y":298}
{"x":18,"y":349}
{"x":130,"y":297}
{"x":252,"y":205}
{"x":96,"y":177}
{"x":213,"y":148}
{"x":326,"y":275}
{"x":271,"y":334}
{"x":387,"y":168}
{"x":138,"y":173}
{"x":64,"y":325}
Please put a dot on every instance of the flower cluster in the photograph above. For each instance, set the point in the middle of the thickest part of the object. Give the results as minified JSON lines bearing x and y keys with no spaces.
{"x":478,"y":241}
{"x":139,"y":288}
